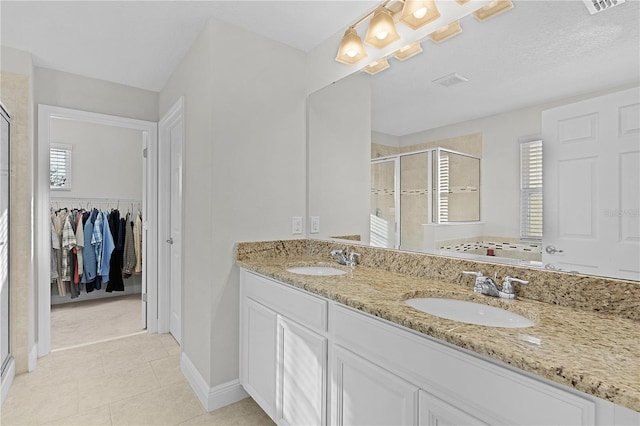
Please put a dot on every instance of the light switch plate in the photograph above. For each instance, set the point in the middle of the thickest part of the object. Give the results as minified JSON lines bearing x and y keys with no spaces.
{"x":315,"y":224}
{"x":296,"y":225}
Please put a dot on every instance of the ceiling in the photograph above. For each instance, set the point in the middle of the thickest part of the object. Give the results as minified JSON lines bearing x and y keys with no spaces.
{"x":139,"y":43}
{"x":539,"y":51}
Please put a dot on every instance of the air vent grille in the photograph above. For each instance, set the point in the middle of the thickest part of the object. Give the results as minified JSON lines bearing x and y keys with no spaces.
{"x":451,"y":79}
{"x":597,"y":6}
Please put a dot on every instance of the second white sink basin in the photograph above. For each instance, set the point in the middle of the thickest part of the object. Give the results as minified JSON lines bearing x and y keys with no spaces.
{"x":470,"y":312}
{"x":316,"y":270}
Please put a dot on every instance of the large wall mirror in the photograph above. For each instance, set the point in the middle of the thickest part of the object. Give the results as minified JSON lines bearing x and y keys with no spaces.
{"x":410,"y":160}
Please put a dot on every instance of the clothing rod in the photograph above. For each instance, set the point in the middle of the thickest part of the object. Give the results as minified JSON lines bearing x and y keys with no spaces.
{"x":98,"y":200}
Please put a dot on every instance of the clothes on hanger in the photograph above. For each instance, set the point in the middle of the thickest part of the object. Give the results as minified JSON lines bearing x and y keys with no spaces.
{"x":91,"y":248}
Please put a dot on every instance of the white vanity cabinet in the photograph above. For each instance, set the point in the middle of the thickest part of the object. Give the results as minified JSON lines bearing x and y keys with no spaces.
{"x":310,"y":361}
{"x":366,"y":394}
{"x":283,"y":350}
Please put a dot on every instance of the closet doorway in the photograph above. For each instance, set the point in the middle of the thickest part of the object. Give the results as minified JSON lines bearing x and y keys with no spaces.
{"x":95,"y":171}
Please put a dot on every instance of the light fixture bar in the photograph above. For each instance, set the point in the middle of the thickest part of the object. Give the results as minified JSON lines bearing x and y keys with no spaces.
{"x":494,"y":8}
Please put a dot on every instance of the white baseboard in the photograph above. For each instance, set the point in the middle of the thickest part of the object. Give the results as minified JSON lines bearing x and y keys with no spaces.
{"x":7,"y":378}
{"x":32,"y":361}
{"x":211,"y":398}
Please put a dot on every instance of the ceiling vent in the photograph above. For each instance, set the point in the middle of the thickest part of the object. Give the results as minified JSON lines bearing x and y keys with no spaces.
{"x":451,"y":80}
{"x":597,"y":6}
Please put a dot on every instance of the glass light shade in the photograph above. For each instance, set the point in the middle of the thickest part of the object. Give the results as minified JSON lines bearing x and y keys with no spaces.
{"x":377,"y":66}
{"x":351,"y":48}
{"x":462,"y":1}
{"x":408,"y":51}
{"x":382,"y":30}
{"x":417,"y":13}
{"x":492,"y":9}
{"x":446,"y":32}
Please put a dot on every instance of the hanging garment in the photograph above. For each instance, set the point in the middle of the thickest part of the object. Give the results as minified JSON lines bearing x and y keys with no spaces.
{"x":137,"y":242}
{"x":68,"y":242}
{"x":80,"y":246}
{"x":115,"y":265}
{"x":90,"y":262}
{"x":107,"y":248}
{"x":57,"y":222}
{"x":55,"y":251}
{"x":129,"y":255}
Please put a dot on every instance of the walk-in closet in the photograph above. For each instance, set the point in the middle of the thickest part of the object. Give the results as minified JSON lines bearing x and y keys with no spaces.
{"x":96,"y":268}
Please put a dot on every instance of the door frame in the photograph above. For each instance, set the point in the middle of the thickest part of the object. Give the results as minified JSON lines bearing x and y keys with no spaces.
{"x":42,"y":285}
{"x":174,"y":114}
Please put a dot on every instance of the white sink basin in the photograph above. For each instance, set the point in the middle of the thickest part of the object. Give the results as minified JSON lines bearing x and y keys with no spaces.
{"x":470,"y":312}
{"x":316,"y":270}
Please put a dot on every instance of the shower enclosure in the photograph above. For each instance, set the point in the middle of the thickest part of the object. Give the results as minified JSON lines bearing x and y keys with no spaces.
{"x":410,"y":191}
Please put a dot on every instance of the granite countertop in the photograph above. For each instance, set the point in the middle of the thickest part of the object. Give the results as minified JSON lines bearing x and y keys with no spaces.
{"x":595,"y":353}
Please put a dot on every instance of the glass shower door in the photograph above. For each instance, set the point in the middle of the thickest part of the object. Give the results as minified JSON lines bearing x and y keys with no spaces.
{"x":5,"y":348}
{"x":383,"y":215}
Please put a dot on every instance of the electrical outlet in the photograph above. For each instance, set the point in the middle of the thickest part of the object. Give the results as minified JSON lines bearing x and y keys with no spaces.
{"x":296,"y":225}
{"x":315,"y":224}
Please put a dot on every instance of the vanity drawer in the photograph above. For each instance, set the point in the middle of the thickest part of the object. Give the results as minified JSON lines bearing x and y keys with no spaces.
{"x":292,"y":303}
{"x":496,"y":394}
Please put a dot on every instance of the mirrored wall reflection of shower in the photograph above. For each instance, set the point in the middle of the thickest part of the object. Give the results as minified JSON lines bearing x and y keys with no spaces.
{"x":413,"y":191}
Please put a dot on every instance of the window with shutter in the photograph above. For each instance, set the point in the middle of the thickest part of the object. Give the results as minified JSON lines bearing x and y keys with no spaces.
{"x":531,"y":190}
{"x":60,"y":166}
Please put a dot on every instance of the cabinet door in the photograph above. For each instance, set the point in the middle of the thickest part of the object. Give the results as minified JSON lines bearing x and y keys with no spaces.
{"x":435,"y":412}
{"x":258,"y":354}
{"x":302,"y":367}
{"x":365,"y":394}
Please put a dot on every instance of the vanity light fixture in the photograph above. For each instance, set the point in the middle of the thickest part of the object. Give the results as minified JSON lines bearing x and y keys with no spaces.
{"x":382,"y":29}
{"x":375,"y":67}
{"x":494,"y":8}
{"x":446,"y":32}
{"x":351,"y":48}
{"x":408,"y":51}
{"x":418,"y":13}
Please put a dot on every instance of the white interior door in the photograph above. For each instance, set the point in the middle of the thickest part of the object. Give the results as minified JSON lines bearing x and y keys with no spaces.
{"x":591,"y":186}
{"x":176,"y":133}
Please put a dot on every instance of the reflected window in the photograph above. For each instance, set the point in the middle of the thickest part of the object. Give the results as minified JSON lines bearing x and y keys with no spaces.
{"x":531,"y":191}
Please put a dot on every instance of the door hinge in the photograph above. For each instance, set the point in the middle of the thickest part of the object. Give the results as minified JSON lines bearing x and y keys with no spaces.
{"x":144,"y":153}
{"x":144,"y":297}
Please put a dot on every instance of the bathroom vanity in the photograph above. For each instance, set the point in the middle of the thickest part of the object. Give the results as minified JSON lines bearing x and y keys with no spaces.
{"x":347,"y":349}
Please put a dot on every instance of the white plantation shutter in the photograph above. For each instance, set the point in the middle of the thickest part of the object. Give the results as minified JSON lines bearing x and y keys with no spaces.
{"x":443,"y":188}
{"x":531,"y":190}
{"x":60,"y":166}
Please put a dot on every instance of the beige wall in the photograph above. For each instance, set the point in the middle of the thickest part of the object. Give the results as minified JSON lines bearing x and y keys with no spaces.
{"x":17,"y":96}
{"x":73,"y":91}
{"x":244,"y":175}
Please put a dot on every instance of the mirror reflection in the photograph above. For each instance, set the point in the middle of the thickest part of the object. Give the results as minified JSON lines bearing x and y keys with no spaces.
{"x":500,"y":120}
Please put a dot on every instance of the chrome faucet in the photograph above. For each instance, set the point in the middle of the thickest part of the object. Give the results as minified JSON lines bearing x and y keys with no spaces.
{"x":351,"y":259}
{"x":486,"y":285}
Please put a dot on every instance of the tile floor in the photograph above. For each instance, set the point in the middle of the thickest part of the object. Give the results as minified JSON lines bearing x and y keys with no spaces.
{"x":91,"y":321}
{"x":135,"y":380}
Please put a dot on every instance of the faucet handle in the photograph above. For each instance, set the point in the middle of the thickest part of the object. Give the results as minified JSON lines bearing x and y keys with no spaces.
{"x":336,"y":252}
{"x":508,"y":291}
{"x":354,"y":258}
